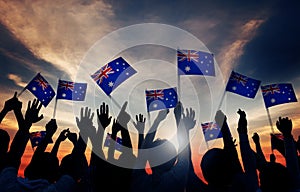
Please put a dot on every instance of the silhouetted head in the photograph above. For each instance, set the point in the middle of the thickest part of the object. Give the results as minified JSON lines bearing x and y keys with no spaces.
{"x":274,"y":177}
{"x":163,"y":150}
{"x":4,"y":141}
{"x":43,"y":166}
{"x":216,"y":168}
{"x":75,"y":166}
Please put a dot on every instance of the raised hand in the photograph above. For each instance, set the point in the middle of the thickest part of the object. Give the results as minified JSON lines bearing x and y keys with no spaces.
{"x":189,"y":119}
{"x":123,"y":117}
{"x":63,"y":135}
{"x":72,"y":137}
{"x":32,"y":112}
{"x":285,"y":125}
{"x":13,"y":103}
{"x":178,"y":111}
{"x":116,"y":127}
{"x":103,"y":115}
{"x":162,"y":115}
{"x":242,"y":124}
{"x":220,"y":118}
{"x":255,"y":138}
{"x":51,"y":127}
{"x":140,"y":123}
{"x":86,"y":120}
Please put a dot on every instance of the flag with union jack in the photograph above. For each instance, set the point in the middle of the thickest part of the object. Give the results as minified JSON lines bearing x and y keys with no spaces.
{"x":191,"y":62}
{"x":118,"y":142}
{"x":41,"y":89}
{"x":161,"y":99}
{"x":242,"y":85}
{"x":275,"y":94}
{"x":211,"y":131}
{"x":112,"y":74}
{"x":69,"y":90}
{"x":36,"y":137}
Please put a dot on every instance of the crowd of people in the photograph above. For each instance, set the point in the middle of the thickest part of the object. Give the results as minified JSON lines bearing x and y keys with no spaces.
{"x":222,"y":169}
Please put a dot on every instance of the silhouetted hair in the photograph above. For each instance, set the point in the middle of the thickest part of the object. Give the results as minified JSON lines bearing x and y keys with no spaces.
{"x":274,"y":177}
{"x":43,"y":166}
{"x":216,"y":167}
{"x":163,"y":149}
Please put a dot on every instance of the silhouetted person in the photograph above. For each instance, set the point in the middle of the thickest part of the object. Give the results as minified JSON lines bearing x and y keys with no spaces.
{"x":248,"y":156}
{"x":111,"y":169}
{"x":62,"y":137}
{"x":169,"y":167}
{"x":4,"y":144}
{"x":260,"y":157}
{"x":99,"y":166}
{"x":284,"y":125}
{"x":9,"y":181}
{"x":44,"y":165}
{"x":221,"y":168}
{"x":9,"y":105}
{"x":194,"y":183}
{"x":76,"y":162}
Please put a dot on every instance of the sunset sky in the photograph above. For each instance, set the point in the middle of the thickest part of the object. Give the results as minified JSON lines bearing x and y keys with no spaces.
{"x":71,"y":39}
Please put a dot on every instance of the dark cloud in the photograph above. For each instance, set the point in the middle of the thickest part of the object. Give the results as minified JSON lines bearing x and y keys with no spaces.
{"x":274,"y":55}
{"x":15,"y":58}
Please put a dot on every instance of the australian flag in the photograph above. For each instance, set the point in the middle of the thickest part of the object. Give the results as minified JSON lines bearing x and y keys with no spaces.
{"x":211,"y":131}
{"x":111,"y":75}
{"x":40,"y":88}
{"x":36,"y":137}
{"x":242,"y":85}
{"x":71,"y":90}
{"x":276,"y":94}
{"x":191,"y":62}
{"x":161,"y":99}
{"x":108,"y":141}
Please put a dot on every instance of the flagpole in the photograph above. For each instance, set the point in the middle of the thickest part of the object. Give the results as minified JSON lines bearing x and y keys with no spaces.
{"x":207,"y":146}
{"x":115,"y":102}
{"x":21,"y":92}
{"x":178,"y":85}
{"x":221,"y":101}
{"x":54,"y":111}
{"x":270,"y":120}
{"x":55,"y":104}
{"x":178,"y":76}
{"x":149,"y":122}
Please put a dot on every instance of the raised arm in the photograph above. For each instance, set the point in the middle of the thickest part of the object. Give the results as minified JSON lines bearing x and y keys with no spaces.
{"x":51,"y":128}
{"x":284,"y":125}
{"x":152,"y":131}
{"x":123,"y":120}
{"x":194,"y":183}
{"x":140,"y":127}
{"x":229,"y":144}
{"x":62,"y":136}
{"x":21,"y":138}
{"x":103,"y":119}
{"x":247,"y":154}
{"x":11,"y":104}
{"x":259,"y":153}
{"x":86,"y":127}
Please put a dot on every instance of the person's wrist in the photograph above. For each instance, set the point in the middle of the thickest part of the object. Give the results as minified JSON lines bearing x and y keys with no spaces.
{"x":5,"y":109}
